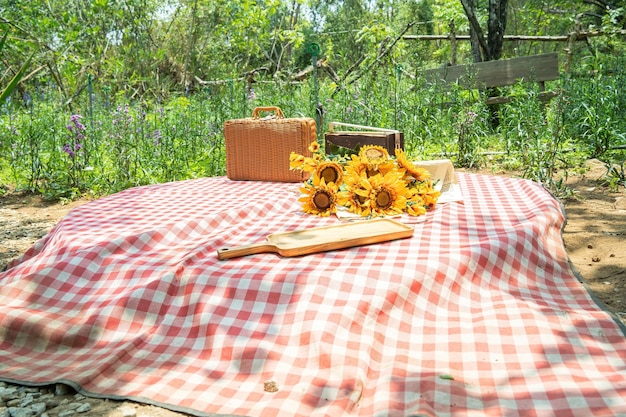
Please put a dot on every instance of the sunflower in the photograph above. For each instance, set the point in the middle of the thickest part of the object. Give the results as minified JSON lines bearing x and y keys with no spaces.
{"x":420,"y":174}
{"x":373,"y":155}
{"x":296,"y":161}
{"x":355,"y":195}
{"x":416,"y":207}
{"x":369,"y":183}
{"x":420,"y":203}
{"x":302,"y":163}
{"x":330,"y":172}
{"x":422,"y":187}
{"x":430,"y":199}
{"x":389,"y":194}
{"x":319,"y":198}
{"x":386,"y":167}
{"x":355,"y":167}
{"x":314,"y":147}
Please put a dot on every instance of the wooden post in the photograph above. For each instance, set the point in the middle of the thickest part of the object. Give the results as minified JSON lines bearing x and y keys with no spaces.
{"x":571,"y":41}
{"x":570,"y":51}
{"x":452,"y":43}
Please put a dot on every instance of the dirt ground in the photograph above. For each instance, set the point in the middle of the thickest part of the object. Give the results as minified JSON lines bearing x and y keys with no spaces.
{"x":595,"y":237}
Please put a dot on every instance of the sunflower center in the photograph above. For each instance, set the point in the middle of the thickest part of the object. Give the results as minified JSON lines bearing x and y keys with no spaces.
{"x":383,"y":199}
{"x":329,"y":174}
{"x":322,"y":200}
{"x":374,"y":153}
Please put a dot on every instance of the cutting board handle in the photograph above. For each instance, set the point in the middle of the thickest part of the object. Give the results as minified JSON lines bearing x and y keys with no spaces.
{"x":237,"y":251}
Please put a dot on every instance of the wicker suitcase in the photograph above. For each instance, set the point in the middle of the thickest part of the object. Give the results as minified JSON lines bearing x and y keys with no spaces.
{"x":258,"y":148}
{"x":337,"y":141}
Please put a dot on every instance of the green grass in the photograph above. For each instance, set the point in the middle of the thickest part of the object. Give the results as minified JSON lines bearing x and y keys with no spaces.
{"x":126,"y":144}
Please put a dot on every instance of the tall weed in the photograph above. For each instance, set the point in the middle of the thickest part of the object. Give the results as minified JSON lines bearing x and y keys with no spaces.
{"x":122,"y":143}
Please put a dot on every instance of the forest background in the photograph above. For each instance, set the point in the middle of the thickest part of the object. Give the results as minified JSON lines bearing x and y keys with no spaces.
{"x":102,"y":95}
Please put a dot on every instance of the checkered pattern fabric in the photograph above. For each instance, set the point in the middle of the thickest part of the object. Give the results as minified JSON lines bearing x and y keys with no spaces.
{"x":478,"y":314}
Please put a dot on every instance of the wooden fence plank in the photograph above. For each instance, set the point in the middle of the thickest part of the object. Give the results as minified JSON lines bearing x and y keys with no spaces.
{"x":539,"y":68}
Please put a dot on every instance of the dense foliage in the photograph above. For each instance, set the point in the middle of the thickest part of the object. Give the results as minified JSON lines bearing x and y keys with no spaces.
{"x":129,"y":92}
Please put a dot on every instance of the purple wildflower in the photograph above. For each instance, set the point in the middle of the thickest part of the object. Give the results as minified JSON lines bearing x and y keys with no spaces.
{"x":67,"y":148}
{"x":157,"y":136}
{"x":75,"y":119}
{"x":76,"y":124}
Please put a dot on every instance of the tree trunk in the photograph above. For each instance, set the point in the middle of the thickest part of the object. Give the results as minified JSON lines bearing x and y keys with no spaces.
{"x":496,"y":27}
{"x":490,"y":48}
{"x":477,"y":39}
{"x":475,"y":44}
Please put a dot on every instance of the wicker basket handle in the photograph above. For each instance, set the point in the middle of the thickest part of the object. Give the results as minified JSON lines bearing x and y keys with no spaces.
{"x":277,"y":110}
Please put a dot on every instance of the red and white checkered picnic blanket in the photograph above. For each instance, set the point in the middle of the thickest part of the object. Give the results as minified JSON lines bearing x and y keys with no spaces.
{"x":478,"y":314}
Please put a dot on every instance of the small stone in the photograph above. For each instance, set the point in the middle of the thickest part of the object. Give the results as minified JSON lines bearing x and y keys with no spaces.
{"x":79,"y":397}
{"x":596,"y":259}
{"x":38,"y":408}
{"x":128,"y":411}
{"x":8,"y":393}
{"x":4,"y":412}
{"x":67,"y":413}
{"x":52,"y":402}
{"x":20,"y":412}
{"x":84,"y":408}
{"x":15,"y":402}
{"x":74,"y":405}
{"x":27,"y":400}
{"x":612,"y":255}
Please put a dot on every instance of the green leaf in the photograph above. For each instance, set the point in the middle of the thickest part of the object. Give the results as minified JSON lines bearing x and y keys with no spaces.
{"x":334,"y":149}
{"x":3,"y":41}
{"x":16,"y":79}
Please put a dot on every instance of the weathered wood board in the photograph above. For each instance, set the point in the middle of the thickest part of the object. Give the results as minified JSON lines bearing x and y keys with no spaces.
{"x":538,"y":68}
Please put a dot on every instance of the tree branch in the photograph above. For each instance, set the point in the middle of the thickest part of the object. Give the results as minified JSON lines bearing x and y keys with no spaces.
{"x":470,"y":11}
{"x":381,"y":55}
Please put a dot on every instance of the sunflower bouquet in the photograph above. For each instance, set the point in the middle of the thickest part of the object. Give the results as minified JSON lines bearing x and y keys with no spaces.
{"x":368,"y":183}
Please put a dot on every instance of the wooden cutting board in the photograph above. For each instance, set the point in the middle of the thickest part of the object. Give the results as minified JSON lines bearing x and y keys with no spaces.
{"x":322,"y":239}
